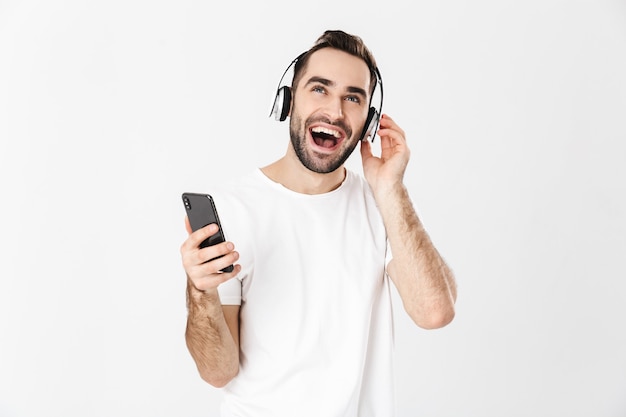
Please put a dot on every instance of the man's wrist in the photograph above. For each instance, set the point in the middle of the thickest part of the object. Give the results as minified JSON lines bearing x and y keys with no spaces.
{"x":201,"y":297}
{"x":390,"y":191}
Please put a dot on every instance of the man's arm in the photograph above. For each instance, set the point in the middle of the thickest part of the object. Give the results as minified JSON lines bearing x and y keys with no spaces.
{"x":212,"y":332}
{"x":424,"y":281}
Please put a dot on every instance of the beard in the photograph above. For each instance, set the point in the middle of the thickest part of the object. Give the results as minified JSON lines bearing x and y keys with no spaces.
{"x":314,"y":161}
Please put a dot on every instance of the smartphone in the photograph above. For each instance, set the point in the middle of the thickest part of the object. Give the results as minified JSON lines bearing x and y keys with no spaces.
{"x":201,"y":212}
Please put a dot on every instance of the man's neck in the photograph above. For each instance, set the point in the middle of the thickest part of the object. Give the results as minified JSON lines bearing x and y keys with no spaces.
{"x":290,"y":173}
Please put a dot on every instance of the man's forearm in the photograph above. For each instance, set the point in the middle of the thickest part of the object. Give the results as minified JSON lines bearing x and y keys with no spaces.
{"x":424,"y":281}
{"x":209,"y":339}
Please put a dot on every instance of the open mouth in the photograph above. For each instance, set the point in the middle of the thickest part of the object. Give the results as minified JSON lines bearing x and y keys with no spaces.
{"x":325,"y":137}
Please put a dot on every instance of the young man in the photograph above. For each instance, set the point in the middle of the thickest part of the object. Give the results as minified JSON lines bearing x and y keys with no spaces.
{"x":303,"y":324}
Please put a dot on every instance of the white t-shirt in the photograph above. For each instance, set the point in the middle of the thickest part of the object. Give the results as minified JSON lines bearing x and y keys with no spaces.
{"x":316,"y":330}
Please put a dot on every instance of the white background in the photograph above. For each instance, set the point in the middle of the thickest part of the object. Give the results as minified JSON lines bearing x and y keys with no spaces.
{"x":516,"y":116}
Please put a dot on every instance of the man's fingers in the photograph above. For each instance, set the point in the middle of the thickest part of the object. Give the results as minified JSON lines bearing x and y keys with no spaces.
{"x":366,"y":150}
{"x":215,"y":251}
{"x":218,"y":264}
{"x":197,"y":237}
{"x":388,"y":127}
{"x":208,"y":260}
{"x":187,"y":225}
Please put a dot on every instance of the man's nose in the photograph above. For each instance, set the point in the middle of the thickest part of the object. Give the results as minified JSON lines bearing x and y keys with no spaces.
{"x":334,"y":109}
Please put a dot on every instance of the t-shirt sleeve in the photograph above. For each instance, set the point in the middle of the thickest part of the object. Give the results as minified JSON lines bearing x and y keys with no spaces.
{"x":230,"y":292}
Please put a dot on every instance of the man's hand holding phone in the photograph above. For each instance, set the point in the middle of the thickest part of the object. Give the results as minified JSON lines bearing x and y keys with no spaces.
{"x":204,"y":265}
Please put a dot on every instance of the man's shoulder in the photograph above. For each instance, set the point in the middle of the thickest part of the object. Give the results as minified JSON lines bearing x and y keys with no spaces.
{"x":250,"y":179}
{"x":358,"y":182}
{"x":246,"y":186}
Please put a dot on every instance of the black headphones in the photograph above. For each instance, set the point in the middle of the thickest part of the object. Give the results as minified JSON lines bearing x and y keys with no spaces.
{"x":282,"y":102}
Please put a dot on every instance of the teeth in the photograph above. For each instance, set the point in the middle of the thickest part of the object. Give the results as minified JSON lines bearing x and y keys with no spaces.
{"x":320,"y":129}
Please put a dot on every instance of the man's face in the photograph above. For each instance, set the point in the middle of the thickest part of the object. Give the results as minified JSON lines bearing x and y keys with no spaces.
{"x":330,"y":105}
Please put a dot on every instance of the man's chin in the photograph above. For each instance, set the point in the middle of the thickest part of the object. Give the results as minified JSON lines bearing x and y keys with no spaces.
{"x":323,"y":163}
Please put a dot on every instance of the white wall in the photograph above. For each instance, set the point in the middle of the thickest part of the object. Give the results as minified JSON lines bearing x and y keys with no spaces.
{"x":516,"y":114}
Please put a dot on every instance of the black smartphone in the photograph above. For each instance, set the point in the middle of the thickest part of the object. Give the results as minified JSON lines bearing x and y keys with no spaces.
{"x":201,"y":212}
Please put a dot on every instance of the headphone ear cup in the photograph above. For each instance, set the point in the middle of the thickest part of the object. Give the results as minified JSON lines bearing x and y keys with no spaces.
{"x":286,"y":103}
{"x":282,"y":103}
{"x":369,"y":129}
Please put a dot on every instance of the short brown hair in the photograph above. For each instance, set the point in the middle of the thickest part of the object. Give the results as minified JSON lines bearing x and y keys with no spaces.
{"x":342,"y":41}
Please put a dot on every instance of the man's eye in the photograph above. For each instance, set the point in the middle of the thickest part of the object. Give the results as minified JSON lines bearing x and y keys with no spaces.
{"x":353,"y":99}
{"x":318,"y":89}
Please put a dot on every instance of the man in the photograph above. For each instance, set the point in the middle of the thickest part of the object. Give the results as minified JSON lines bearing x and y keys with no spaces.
{"x":303,"y":324}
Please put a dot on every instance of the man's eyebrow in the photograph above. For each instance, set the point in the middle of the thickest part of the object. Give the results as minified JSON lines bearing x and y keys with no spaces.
{"x":324,"y":81}
{"x":357,"y":90}
{"x":329,"y":83}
